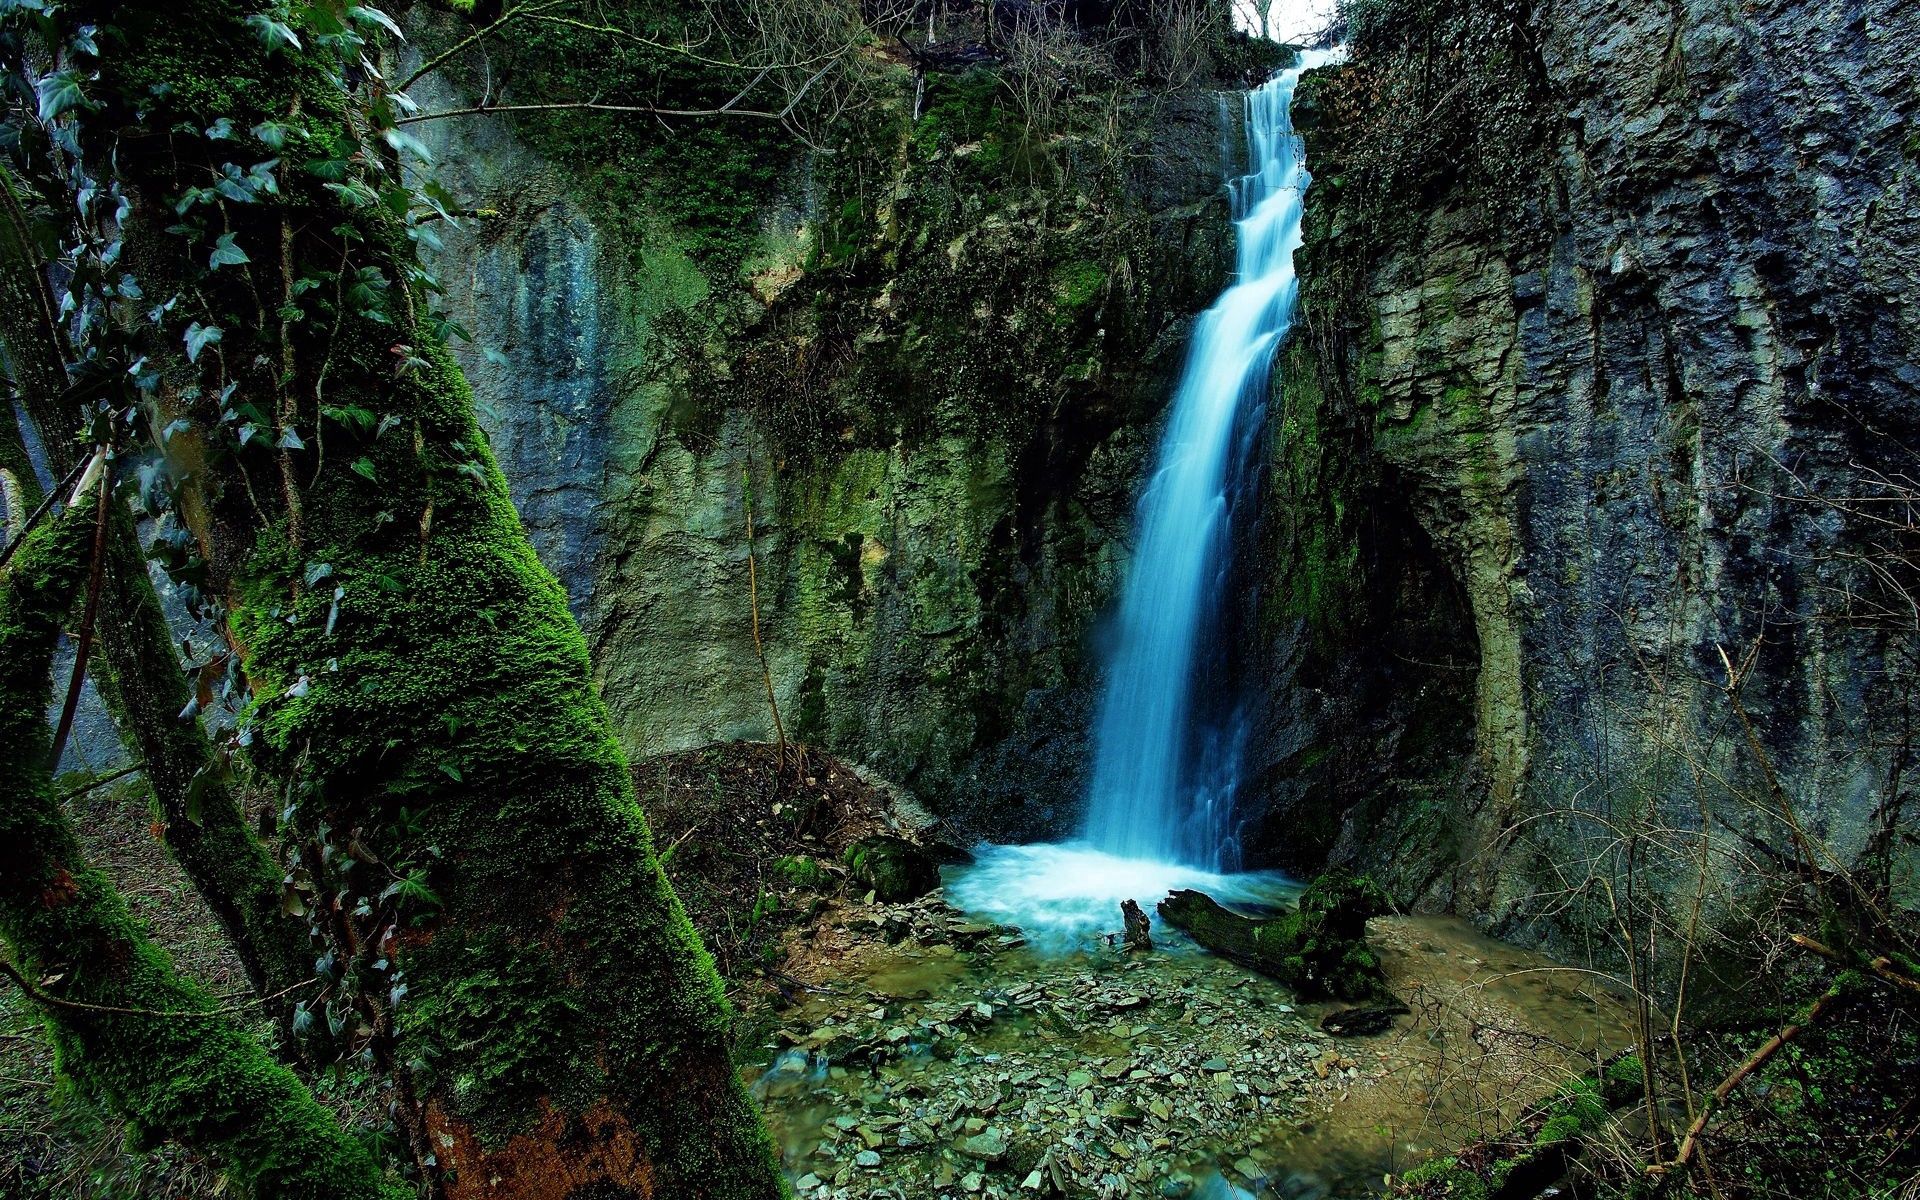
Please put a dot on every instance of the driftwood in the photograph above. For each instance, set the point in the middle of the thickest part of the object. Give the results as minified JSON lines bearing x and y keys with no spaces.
{"x":1139,"y":936}
{"x":1319,"y":949}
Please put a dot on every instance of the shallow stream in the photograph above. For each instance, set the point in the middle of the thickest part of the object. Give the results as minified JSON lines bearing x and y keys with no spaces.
{"x":939,"y":1054}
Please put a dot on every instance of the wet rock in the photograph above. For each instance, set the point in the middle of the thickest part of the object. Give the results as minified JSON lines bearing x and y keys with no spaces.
{"x":1362,"y":1022}
{"x":1138,"y":937}
{"x":989,"y":1146}
{"x":867,"y":1158}
{"x":894,"y":869}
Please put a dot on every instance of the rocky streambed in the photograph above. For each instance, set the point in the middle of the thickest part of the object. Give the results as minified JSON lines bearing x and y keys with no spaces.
{"x":929,"y":1055}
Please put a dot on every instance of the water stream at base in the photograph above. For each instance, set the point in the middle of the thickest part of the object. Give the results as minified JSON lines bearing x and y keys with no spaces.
{"x":1160,"y":809}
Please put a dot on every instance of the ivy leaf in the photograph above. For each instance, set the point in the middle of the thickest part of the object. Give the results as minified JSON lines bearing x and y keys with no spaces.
{"x":353,"y":195}
{"x":290,"y":439}
{"x":59,"y":92}
{"x":276,"y":34}
{"x":373,"y":16}
{"x":405,"y":143}
{"x":363,"y":467}
{"x":274,"y":134}
{"x":199,"y":337}
{"x":220,"y":130}
{"x":226,"y":254}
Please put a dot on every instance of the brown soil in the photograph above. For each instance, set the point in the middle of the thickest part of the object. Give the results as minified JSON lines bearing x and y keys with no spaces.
{"x":752,"y":850}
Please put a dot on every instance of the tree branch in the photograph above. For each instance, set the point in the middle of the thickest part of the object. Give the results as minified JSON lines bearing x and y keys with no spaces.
{"x":1754,"y":1062}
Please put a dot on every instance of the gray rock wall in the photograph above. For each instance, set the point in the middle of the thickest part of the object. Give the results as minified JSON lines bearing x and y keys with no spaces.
{"x":1625,"y":423}
{"x":931,"y":576}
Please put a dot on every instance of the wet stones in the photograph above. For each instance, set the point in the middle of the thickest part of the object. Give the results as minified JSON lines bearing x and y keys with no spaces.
{"x":1362,"y":1022}
{"x":989,"y":1146}
{"x":1103,"y":1076}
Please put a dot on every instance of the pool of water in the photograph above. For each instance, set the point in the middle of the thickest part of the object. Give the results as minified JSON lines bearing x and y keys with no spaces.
{"x":1066,"y":896}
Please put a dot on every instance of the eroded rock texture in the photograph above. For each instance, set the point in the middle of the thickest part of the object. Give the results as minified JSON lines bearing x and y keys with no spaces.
{"x":1631,"y":419}
{"x":944,"y":431}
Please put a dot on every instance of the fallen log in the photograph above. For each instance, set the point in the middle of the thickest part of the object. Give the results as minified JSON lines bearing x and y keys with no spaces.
{"x":1319,"y":949}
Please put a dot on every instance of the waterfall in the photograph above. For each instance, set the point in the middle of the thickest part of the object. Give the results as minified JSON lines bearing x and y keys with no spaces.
{"x":1156,"y":793}
{"x":1168,"y":734}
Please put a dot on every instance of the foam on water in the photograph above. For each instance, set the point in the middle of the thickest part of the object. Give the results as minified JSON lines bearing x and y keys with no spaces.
{"x":1062,"y":895}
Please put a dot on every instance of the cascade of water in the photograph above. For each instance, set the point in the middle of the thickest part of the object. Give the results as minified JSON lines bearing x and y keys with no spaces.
{"x":1167,"y":747}
{"x":1162,"y":788}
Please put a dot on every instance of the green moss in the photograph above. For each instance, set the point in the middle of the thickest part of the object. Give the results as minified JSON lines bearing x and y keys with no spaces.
{"x":801,"y":871}
{"x":1077,"y":284}
{"x":424,"y":696}
{"x":894,"y":869}
{"x":156,"y":1048}
{"x":1444,"y":1177}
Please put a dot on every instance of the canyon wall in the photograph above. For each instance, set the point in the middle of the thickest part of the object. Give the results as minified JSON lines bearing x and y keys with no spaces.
{"x":1605,"y":386}
{"x":936,"y":357}
{"x":1615,"y":354}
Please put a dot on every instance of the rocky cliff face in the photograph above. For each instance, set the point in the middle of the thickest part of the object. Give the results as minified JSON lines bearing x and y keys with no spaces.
{"x":1624,"y":380}
{"x":934,"y":373}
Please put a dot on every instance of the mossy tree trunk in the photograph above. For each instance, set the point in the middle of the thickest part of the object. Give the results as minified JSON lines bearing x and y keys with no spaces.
{"x":142,"y":682}
{"x":498,"y":918}
{"x":1319,"y":949}
{"x":125,"y":1025}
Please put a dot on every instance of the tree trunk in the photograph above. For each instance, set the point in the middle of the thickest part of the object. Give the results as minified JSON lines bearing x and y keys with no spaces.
{"x":141,"y":680}
{"x":128,"y":1028}
{"x":484,"y":872}
{"x":1319,"y":949}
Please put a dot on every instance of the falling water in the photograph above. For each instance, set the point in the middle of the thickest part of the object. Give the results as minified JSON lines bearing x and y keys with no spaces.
{"x":1145,"y":785}
{"x":1159,"y":812}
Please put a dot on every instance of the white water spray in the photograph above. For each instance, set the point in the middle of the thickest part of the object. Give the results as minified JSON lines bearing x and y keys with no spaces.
{"x":1159,"y":812}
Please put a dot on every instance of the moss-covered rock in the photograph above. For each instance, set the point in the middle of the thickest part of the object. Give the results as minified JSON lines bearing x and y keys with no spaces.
{"x":894,"y":869}
{"x":939,"y":363}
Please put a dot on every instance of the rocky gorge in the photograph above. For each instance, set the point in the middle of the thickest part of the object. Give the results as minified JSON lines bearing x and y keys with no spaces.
{"x":750,"y":599}
{"x":1586,"y":412}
